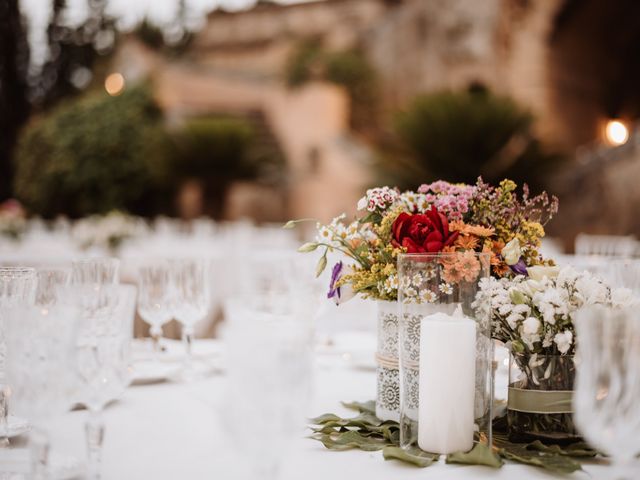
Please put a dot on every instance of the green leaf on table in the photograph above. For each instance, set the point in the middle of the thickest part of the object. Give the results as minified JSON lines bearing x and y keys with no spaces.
{"x":362,"y":407}
{"x":551,"y":462}
{"x":348,"y":440}
{"x":322,"y":419}
{"x":580,"y":449}
{"x":414,"y":456}
{"x":480,"y":454}
{"x":364,"y":420}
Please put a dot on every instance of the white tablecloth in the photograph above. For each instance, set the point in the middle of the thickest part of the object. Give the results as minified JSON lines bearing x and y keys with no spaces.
{"x":175,"y":431}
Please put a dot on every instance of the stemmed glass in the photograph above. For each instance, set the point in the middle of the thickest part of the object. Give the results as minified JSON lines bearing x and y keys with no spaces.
{"x":190,"y":280}
{"x":607,"y":387}
{"x":155,"y":298}
{"x":41,"y":342}
{"x":17,"y":287}
{"x":269,"y":357}
{"x":100,"y":337}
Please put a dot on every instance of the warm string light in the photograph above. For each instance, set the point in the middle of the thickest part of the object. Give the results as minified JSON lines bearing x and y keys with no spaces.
{"x":616,"y":133}
{"x":114,"y":84}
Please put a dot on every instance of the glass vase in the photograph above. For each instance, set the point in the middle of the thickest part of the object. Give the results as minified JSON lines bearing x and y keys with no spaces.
{"x":539,"y":405}
{"x":446,"y":352}
{"x":387,"y":369}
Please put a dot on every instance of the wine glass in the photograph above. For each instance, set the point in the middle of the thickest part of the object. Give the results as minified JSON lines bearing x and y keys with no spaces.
{"x":190,"y":280}
{"x":270,"y":358}
{"x":50,"y":281}
{"x":607,"y":387}
{"x":155,"y":298}
{"x":99,"y":338}
{"x":41,"y":342}
{"x":17,"y":287}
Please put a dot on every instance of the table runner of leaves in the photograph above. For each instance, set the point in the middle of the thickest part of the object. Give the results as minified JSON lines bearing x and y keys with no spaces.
{"x":367,"y":432}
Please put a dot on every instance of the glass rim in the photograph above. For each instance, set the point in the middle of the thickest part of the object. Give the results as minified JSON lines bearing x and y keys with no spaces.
{"x":17,"y":271}
{"x":87,"y":261}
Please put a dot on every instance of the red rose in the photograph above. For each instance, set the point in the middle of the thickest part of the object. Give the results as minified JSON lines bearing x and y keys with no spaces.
{"x":422,"y":233}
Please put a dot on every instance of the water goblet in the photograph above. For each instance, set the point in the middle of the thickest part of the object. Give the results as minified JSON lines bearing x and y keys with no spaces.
{"x":99,"y":337}
{"x":190,"y":280}
{"x":155,"y":298}
{"x":41,"y":344}
{"x":17,"y":287}
{"x":607,"y":386}
{"x":269,"y":370}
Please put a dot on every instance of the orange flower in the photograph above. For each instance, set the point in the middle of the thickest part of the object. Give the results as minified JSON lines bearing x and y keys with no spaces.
{"x":467,"y":242}
{"x":470,"y":266}
{"x":479,"y":230}
{"x":500,"y":269}
{"x":452,"y":272}
{"x":457,"y":226}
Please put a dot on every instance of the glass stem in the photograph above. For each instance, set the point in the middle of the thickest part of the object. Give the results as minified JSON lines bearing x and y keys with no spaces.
{"x":39,"y":454}
{"x":95,"y":437}
{"x":4,"y":416}
{"x":156,"y":335}
{"x":187,"y":339}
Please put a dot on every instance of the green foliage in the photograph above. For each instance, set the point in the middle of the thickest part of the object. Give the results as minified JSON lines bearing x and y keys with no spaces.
{"x":459,"y":136}
{"x":223,"y":149}
{"x":93,"y":155}
{"x":302,"y":62}
{"x":209,"y":148}
{"x":348,"y":68}
{"x":368,"y":433}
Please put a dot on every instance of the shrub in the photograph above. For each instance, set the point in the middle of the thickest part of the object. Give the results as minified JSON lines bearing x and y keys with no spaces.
{"x":93,"y":155}
{"x":348,"y":68}
{"x":459,"y":136}
{"x":220,"y":150}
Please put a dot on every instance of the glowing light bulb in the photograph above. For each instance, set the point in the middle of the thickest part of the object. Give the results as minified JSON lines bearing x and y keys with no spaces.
{"x":616,"y":133}
{"x":114,"y":84}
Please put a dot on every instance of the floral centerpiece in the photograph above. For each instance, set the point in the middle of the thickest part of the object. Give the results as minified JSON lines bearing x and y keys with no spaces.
{"x":13,"y":220}
{"x":438,"y":217}
{"x":105,"y":231}
{"x":534,"y":316}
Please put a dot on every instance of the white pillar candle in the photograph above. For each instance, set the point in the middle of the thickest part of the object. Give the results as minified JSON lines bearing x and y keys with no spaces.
{"x":447,"y":383}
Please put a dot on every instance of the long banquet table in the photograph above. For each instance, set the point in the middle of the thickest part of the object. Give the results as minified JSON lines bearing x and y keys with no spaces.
{"x":175,"y":431}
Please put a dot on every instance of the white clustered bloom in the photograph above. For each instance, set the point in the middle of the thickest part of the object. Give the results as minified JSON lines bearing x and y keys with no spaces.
{"x":538,"y":312}
{"x":378,"y":199}
{"x":445,"y":288}
{"x":563,"y":340}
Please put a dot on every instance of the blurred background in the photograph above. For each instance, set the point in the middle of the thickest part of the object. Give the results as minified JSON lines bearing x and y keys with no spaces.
{"x":265,"y":111}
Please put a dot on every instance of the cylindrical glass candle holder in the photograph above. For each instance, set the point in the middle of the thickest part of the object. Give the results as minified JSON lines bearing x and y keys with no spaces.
{"x":445,"y":347}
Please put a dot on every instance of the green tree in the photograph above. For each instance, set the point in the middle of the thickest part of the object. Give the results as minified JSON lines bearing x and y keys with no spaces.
{"x":219,"y":150}
{"x":458,"y":136}
{"x":94,"y":154}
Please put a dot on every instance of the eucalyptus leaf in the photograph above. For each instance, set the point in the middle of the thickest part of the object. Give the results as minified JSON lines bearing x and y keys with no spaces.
{"x":414,"y":456}
{"x":552,"y":463}
{"x":327,"y":417}
{"x":480,"y":454}
{"x":350,"y":439}
{"x":574,"y":450}
{"x":368,"y":407}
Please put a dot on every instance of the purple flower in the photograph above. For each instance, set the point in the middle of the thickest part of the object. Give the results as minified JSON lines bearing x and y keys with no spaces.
{"x":339,"y":294}
{"x":334,"y":290}
{"x":520,"y":267}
